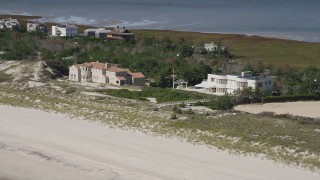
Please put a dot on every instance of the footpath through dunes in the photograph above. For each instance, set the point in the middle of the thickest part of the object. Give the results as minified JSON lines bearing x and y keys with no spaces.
{"x":302,"y":108}
{"x":41,"y":145}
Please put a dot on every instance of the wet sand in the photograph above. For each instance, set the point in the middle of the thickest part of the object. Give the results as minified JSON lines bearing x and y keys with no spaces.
{"x":306,"y":109}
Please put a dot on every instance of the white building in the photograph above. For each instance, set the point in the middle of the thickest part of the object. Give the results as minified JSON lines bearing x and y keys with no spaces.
{"x":36,"y":26}
{"x":222,"y":84}
{"x":105,"y":74}
{"x":98,"y":33}
{"x":212,"y":47}
{"x":65,"y":30}
{"x":9,"y":24}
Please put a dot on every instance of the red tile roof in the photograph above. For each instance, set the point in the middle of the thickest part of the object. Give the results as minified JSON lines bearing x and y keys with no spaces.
{"x":116,"y":69}
{"x":77,"y":66}
{"x":86,"y":64}
{"x":137,"y":75}
{"x":98,"y":65}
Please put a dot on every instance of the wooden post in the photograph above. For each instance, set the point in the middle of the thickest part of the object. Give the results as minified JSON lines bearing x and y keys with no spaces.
{"x":173,"y":79}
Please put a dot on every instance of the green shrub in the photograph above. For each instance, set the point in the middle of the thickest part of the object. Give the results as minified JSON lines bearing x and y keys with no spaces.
{"x":71,"y":90}
{"x":189,"y":111}
{"x":182,"y":105}
{"x":162,"y":95}
{"x":173,"y":116}
{"x":177,"y":110}
{"x":221,"y":103}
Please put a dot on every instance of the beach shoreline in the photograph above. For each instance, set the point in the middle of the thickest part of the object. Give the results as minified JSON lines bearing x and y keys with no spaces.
{"x":112,"y":23}
{"x":58,"y":147}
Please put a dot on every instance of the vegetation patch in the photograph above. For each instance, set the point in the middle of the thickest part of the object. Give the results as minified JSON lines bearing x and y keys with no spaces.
{"x":291,"y":98}
{"x":162,"y":95}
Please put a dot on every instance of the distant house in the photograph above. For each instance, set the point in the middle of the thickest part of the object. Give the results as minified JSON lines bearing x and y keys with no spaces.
{"x":222,"y":84}
{"x":107,"y":73}
{"x":120,"y":33}
{"x":9,"y":24}
{"x":36,"y":26}
{"x":65,"y":30}
{"x":211,"y":47}
{"x":98,"y":33}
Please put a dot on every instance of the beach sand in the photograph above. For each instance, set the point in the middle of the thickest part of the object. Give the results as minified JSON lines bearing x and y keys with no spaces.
{"x":301,"y":108}
{"x":41,"y":145}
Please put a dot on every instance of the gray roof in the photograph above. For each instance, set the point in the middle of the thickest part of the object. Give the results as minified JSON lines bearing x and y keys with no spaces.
{"x":68,"y":26}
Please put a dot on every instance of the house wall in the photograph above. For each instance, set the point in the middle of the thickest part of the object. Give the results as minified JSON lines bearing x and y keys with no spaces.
{"x":229,"y":83}
{"x":89,"y":33}
{"x":64,"y":31}
{"x":138,"y":81}
{"x":98,"y":76}
{"x":74,"y":74}
{"x":101,"y":35}
{"x":58,"y":31}
{"x":112,"y":77}
{"x":71,"y":31}
{"x":85,"y":74}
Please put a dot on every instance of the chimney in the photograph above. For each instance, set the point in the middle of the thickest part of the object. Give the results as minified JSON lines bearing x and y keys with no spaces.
{"x":246,"y":74}
{"x":107,"y":65}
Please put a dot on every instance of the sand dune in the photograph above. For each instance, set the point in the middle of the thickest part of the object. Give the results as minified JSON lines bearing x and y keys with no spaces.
{"x":40,"y":145}
{"x":301,"y":108}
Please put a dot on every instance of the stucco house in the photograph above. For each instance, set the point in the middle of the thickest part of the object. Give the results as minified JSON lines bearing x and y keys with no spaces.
{"x":222,"y":84}
{"x":105,"y":73}
{"x":65,"y":30}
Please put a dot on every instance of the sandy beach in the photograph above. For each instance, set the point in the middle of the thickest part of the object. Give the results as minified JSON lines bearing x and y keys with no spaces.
{"x":306,"y":109}
{"x":41,"y":145}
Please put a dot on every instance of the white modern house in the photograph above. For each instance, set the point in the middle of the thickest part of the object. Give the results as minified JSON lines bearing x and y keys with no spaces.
{"x":9,"y":24}
{"x":98,"y":33}
{"x":222,"y":84}
{"x":65,"y":30}
{"x":107,"y":73}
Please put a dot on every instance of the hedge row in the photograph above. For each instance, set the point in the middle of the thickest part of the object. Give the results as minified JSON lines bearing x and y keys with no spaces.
{"x":290,"y":98}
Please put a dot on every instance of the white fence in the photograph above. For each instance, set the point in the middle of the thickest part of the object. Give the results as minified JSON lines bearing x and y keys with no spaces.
{"x":182,"y":102}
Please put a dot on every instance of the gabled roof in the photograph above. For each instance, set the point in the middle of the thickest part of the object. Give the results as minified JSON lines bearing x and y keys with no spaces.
{"x":98,"y":65}
{"x":137,"y":75}
{"x":77,"y":66}
{"x":86,"y":64}
{"x":67,"y":26}
{"x":116,"y":69}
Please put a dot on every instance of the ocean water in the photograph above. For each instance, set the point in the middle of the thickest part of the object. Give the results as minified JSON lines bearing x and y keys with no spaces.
{"x":292,"y":19}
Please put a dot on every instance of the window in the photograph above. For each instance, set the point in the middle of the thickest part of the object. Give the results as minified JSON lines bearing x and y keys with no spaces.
{"x":260,"y":84}
{"x":266,"y":83}
{"x":269,"y":82}
{"x":222,"y":81}
{"x":212,"y":79}
{"x":117,"y":82}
